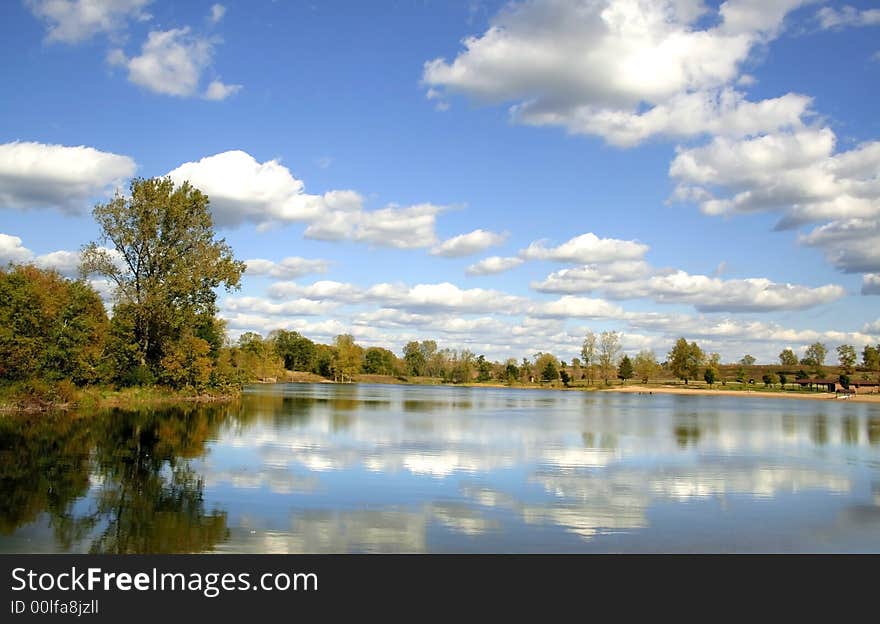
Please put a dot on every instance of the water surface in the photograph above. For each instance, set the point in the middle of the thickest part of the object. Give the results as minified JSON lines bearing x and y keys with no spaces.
{"x":373,"y":468}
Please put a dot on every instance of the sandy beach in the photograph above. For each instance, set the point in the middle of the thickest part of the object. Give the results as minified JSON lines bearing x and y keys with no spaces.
{"x":814,"y":396}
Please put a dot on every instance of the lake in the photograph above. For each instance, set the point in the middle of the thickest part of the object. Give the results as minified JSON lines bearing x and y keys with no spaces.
{"x":313,"y":468}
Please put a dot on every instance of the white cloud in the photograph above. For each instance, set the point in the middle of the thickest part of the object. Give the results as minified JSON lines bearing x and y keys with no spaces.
{"x":217,"y":13}
{"x":11,"y":250}
{"x":38,"y":175}
{"x":295,"y":307}
{"x":444,"y":296}
{"x":831,"y":18}
{"x":287,"y":268}
{"x":220,"y":91}
{"x":851,"y":245}
{"x":570,"y":306}
{"x":585,"y":249}
{"x":72,"y":21}
{"x":241,"y":189}
{"x":467,"y":244}
{"x":493,"y":265}
{"x":594,"y":66}
{"x":321,"y":290}
{"x":172,"y":62}
{"x":636,"y":280}
{"x":795,"y":173}
{"x":871,"y":284}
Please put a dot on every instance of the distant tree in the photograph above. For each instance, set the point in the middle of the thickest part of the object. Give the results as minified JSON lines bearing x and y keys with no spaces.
{"x":740,"y":374}
{"x":461,"y":367}
{"x":297,"y":351}
{"x":525,"y":370}
{"x":747,"y":360}
{"x":709,"y":376}
{"x":802,"y":374}
{"x":484,"y":369}
{"x":589,"y":353}
{"x":547,"y":365}
{"x":844,"y":381}
{"x":379,"y":361}
{"x":788,"y":358}
{"x":625,"y":370}
{"x":511,"y":370}
{"x":815,"y":355}
{"x":769,"y":379}
{"x":609,"y":351}
{"x":414,"y":359}
{"x":783,"y":379}
{"x":349,"y":357}
{"x":846,"y":355}
{"x":564,"y":376}
{"x":685,"y":360}
{"x":646,"y":365}
{"x":871,"y":358}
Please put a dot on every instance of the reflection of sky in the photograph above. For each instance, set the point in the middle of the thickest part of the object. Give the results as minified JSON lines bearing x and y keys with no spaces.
{"x":414,"y":469}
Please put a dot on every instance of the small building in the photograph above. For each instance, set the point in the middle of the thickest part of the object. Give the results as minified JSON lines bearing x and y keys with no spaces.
{"x":828,"y":385}
{"x":865,"y":387}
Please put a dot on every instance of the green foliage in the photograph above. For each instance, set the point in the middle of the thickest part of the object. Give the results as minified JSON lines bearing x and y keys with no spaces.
{"x":710,"y":376}
{"x":609,"y":350}
{"x":165,"y":264}
{"x":844,"y":380}
{"x":783,"y":378}
{"x":625,"y":370}
{"x":747,"y":360}
{"x":685,"y":360}
{"x":770,"y":379}
{"x":788,"y":358}
{"x":349,"y":356}
{"x":50,"y":327}
{"x":379,"y":361}
{"x":646,"y":365}
{"x":297,"y":351}
{"x":484,"y":369}
{"x":846,"y":355}
{"x":871,"y":357}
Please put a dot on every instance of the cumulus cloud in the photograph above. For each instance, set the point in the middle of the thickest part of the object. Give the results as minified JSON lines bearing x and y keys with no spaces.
{"x":287,"y":268}
{"x":632,"y":280}
{"x":245,"y":190}
{"x":847,"y":16}
{"x":295,"y":307}
{"x":570,"y":306}
{"x":493,"y":265}
{"x":851,"y":245}
{"x":39,"y":175}
{"x":467,"y":244}
{"x":11,"y":250}
{"x":172,"y":62}
{"x":73,"y":21}
{"x":621,"y":69}
{"x":585,"y":249}
{"x":796,"y":173}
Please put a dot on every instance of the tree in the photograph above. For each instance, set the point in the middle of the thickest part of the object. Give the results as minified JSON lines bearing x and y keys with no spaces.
{"x":50,"y":327}
{"x":685,"y":360}
{"x":747,"y":360}
{"x":871,"y":358}
{"x":484,"y":369}
{"x":379,"y":361}
{"x":783,"y":379}
{"x":769,"y":379}
{"x":815,"y":356}
{"x":297,"y":351}
{"x":414,"y":359}
{"x":646,"y":365}
{"x":164,"y":261}
{"x":710,"y":375}
{"x":846,"y":355}
{"x":609,"y":350}
{"x":547,"y":366}
{"x":565,"y":377}
{"x":348,"y":357}
{"x":788,"y":358}
{"x":588,"y":352}
{"x":511,"y":371}
{"x":625,"y":370}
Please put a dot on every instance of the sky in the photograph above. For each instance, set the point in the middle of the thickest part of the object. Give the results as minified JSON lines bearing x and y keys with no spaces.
{"x":496,"y":176}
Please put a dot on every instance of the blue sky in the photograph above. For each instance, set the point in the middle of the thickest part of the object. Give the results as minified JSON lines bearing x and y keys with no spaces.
{"x":659,"y":168}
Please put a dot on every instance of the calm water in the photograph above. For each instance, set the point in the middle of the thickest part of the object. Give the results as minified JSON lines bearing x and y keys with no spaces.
{"x":369,"y":468}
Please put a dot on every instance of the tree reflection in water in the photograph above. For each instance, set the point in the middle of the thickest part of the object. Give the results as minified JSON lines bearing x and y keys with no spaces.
{"x":149,"y":499}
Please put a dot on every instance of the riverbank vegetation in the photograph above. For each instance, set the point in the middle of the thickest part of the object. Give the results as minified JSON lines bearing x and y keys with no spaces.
{"x":162,"y":337}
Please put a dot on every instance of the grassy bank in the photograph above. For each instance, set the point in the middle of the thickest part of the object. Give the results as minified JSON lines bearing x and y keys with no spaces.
{"x":44,"y":396}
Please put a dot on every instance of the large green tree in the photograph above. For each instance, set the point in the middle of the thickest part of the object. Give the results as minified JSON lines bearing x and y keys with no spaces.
{"x":685,"y":360}
{"x":160,"y":251}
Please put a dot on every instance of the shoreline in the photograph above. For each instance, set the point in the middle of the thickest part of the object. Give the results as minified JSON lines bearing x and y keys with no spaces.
{"x":813,"y":396}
